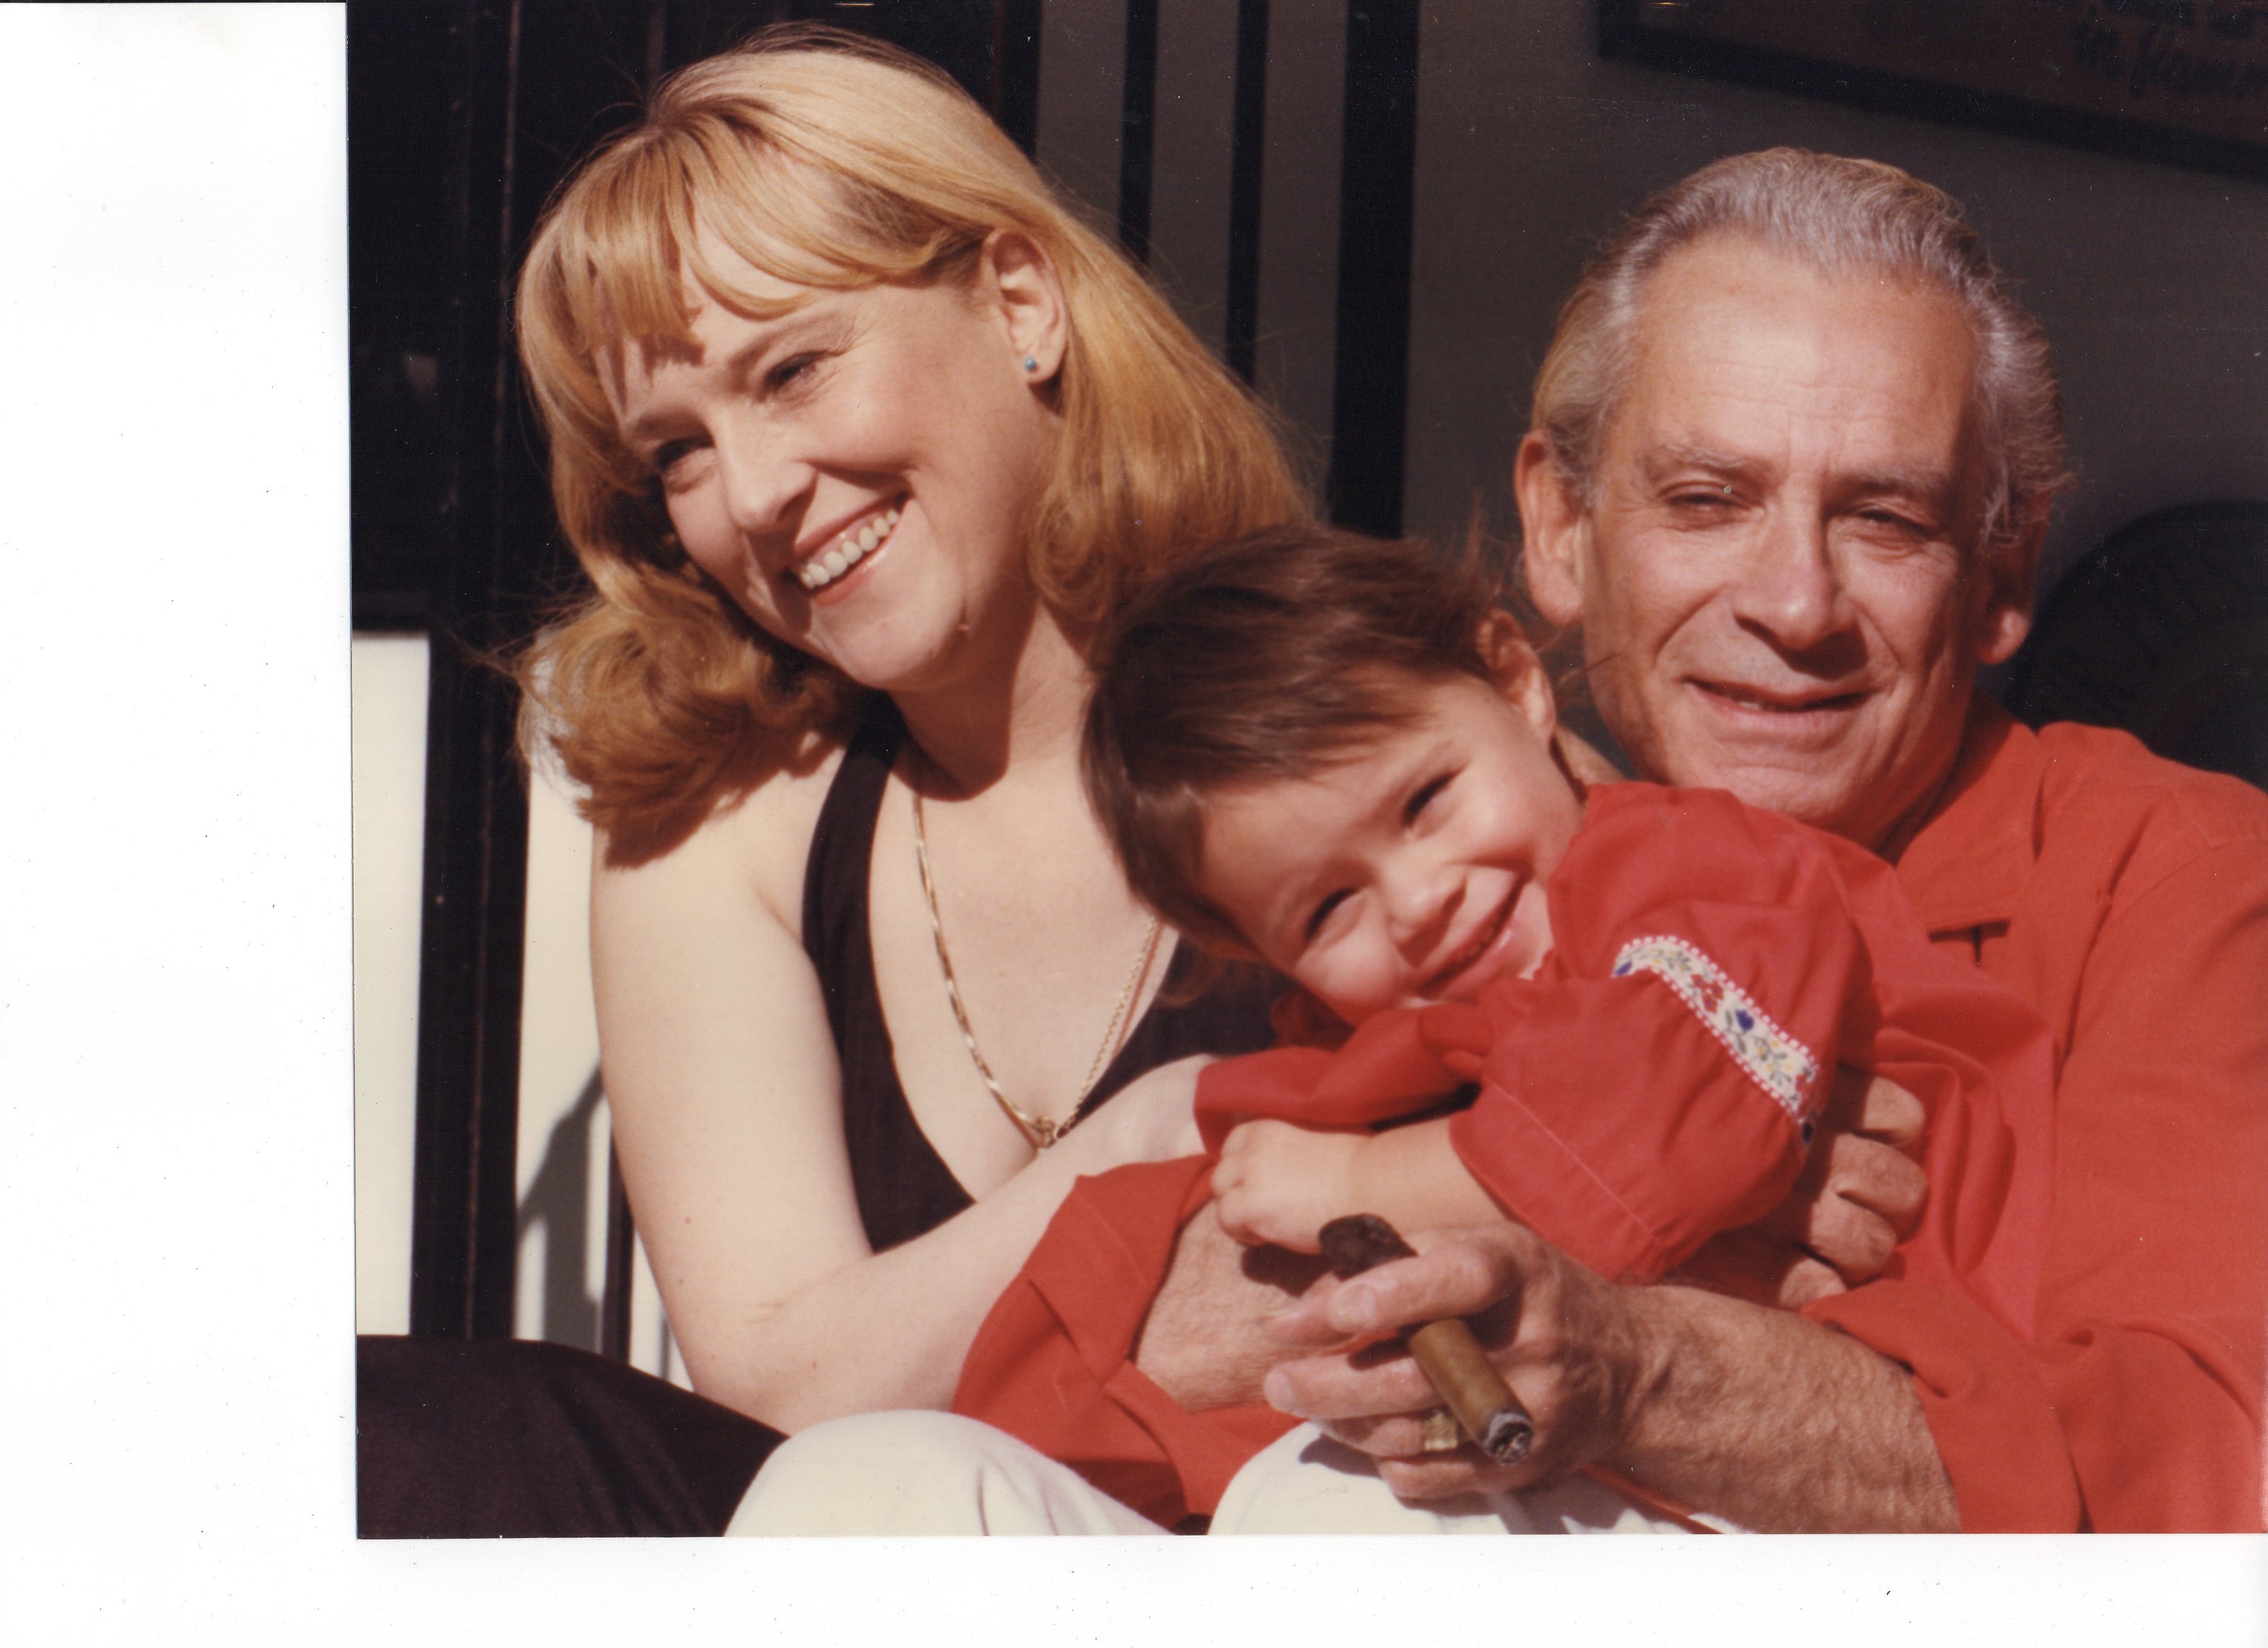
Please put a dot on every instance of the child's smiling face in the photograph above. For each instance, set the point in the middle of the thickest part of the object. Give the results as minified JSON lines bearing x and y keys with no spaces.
{"x":1413,"y":869}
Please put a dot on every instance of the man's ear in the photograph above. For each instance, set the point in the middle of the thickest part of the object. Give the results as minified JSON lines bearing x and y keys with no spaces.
{"x":2010,"y":584}
{"x":1519,"y":672}
{"x":1555,"y":534}
{"x":1016,"y":277}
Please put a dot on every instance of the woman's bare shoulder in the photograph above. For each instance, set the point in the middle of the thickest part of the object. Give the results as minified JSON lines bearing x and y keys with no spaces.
{"x":759,"y":840}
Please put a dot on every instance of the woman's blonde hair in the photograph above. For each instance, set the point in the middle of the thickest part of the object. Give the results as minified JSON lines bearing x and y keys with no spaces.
{"x":831,"y":161}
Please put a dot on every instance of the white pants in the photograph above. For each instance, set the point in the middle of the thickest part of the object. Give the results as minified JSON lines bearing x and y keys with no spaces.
{"x":934,"y":1473}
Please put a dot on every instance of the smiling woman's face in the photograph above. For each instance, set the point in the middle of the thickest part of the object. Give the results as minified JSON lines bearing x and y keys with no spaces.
{"x":855,"y":471}
{"x":1777,"y":583}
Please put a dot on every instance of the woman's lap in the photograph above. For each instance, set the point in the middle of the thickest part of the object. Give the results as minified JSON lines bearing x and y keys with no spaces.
{"x":901,"y":1474}
{"x":515,"y":1439}
{"x":461,"y":1438}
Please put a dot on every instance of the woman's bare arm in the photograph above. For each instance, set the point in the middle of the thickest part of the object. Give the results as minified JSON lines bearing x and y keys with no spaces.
{"x":727,"y":1107}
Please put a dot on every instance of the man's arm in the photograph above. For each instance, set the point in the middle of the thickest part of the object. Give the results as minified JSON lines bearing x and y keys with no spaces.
{"x":1203,"y":1342}
{"x":1752,"y":1414}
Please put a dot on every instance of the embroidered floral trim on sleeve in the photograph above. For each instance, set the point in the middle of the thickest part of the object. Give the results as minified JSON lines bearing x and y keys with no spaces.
{"x":1775,"y":1060}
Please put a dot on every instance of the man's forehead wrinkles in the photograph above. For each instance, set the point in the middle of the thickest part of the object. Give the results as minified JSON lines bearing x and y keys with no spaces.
{"x":1664,"y":458}
{"x":1811,"y":441}
{"x":1936,"y":482}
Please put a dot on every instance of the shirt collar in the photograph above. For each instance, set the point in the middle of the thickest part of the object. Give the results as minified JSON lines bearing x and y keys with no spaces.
{"x":1968,"y":863}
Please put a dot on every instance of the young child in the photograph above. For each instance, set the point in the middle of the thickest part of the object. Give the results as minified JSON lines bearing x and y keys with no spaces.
{"x":1337,"y":756}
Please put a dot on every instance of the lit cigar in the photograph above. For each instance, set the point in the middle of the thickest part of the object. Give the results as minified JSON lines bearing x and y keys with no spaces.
{"x":1453,"y":1359}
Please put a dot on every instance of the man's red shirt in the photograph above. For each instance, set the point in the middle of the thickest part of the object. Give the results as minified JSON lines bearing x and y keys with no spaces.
{"x":2126,"y":898}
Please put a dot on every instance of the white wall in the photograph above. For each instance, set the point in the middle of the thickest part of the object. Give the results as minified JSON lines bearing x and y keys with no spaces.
{"x":564,"y":1129}
{"x":389,"y":826}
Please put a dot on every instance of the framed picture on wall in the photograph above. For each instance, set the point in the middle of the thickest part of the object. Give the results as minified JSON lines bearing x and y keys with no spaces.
{"x":2180,"y":81}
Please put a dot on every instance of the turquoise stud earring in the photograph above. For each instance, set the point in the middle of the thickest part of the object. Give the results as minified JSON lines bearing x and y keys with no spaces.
{"x":1030,"y":364}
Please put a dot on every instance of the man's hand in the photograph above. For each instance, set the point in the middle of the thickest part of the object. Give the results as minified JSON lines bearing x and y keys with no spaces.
{"x":1203,"y":1342}
{"x":1754,"y":1414}
{"x":1857,"y":1197}
{"x":1280,"y":1183}
{"x":1573,"y":1348}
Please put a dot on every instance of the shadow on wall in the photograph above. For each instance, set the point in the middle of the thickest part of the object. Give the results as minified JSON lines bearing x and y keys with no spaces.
{"x":2162,"y":630}
{"x":560,"y":1202}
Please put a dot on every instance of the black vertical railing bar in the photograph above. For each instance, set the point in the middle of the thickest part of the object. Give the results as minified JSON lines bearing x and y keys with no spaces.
{"x":1370,"y":395}
{"x":462,"y":1224}
{"x":1246,"y":167}
{"x":1137,"y":127}
{"x":622,"y":1223}
{"x":493,"y":1203}
{"x":615,"y":1294}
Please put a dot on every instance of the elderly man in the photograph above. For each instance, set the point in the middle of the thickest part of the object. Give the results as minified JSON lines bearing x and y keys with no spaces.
{"x":1792,"y":451}
{"x":1792,"y":455}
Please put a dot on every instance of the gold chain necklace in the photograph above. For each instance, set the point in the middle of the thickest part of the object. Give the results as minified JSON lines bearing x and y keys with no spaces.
{"x":1042,"y":1130}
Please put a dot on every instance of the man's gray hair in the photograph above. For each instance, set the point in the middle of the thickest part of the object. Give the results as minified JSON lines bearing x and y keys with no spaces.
{"x":1839,"y":216}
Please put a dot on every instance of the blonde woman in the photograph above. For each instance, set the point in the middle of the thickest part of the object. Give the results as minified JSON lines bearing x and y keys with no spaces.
{"x":857,"y":433}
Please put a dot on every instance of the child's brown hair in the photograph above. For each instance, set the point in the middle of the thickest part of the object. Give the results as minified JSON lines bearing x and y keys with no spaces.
{"x":1268,"y":657}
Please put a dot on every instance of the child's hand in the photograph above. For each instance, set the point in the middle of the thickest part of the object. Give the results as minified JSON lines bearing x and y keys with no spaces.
{"x":1281,"y":1184}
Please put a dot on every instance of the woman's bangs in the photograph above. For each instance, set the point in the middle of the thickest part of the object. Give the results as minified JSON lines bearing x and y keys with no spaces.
{"x":629,"y":284}
{"x":796,"y":222}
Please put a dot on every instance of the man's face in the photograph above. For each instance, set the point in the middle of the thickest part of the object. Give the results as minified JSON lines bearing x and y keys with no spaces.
{"x":1778,"y":584}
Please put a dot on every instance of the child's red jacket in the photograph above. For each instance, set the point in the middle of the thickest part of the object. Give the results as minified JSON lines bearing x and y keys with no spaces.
{"x":1654,"y":1083}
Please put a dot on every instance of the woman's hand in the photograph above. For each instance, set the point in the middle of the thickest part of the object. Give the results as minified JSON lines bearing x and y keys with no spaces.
{"x":1856,"y":1199}
{"x":1280,"y":1183}
{"x":1153,"y":1118}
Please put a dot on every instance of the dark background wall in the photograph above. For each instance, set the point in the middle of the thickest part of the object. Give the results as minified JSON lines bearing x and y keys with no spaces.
{"x":2152,"y":280}
{"x":1528,"y":146}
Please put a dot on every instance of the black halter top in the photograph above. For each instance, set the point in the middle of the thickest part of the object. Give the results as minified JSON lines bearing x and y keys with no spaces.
{"x":905,"y":1187}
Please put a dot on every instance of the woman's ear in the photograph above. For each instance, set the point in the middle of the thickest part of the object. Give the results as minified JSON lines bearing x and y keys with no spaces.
{"x":1016,"y":276}
{"x":1518,"y":672}
{"x":1553,"y":533}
